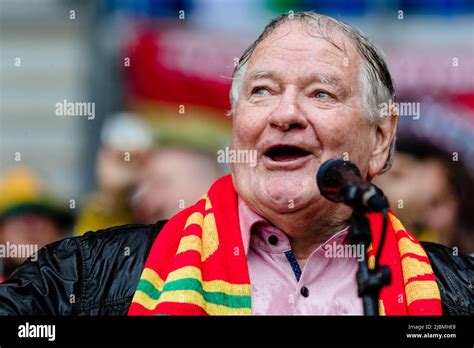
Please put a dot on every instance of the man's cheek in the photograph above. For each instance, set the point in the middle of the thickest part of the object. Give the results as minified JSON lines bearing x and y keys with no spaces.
{"x":359,"y":151}
{"x":347,"y":139}
{"x":335,"y":143}
{"x":245,"y":135}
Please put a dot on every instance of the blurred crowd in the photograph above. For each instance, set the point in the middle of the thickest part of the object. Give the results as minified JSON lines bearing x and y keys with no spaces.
{"x":143,"y":176}
{"x":158,"y":155}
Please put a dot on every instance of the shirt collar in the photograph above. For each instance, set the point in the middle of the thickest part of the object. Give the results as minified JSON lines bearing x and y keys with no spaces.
{"x":248,"y":220}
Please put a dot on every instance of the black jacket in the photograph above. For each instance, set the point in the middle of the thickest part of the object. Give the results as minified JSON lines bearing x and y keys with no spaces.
{"x":97,"y":274}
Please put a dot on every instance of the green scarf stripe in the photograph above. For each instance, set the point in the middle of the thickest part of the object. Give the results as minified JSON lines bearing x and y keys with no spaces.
{"x":218,"y":298}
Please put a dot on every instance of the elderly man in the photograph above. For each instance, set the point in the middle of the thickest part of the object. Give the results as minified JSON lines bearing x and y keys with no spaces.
{"x":306,"y":91}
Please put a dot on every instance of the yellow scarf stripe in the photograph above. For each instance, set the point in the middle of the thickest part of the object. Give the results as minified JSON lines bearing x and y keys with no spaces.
{"x":208,"y":204}
{"x":407,"y":246}
{"x":144,"y":300}
{"x":421,"y":290}
{"x":188,"y":243}
{"x":413,"y":268}
{"x":153,"y":277}
{"x":210,"y":238}
{"x":381,"y":308}
{"x":194,"y":272}
{"x":194,"y":218}
{"x":406,"y":243}
{"x":371,"y":262}
{"x":396,"y":224}
{"x":190,"y":297}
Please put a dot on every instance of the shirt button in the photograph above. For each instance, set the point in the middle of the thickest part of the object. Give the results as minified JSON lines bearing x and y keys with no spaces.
{"x":273,"y":240}
{"x":304,"y":291}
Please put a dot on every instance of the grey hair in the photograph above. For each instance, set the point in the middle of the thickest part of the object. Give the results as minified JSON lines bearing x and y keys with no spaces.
{"x":374,"y":78}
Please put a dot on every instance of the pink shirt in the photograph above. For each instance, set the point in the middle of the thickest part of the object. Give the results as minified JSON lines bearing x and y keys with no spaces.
{"x":327,"y":285}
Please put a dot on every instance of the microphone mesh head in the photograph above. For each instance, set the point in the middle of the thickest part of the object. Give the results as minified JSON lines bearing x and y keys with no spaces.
{"x":332,"y":178}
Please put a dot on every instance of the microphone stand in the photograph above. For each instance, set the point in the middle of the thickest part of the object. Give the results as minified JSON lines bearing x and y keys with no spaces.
{"x":340,"y":181}
{"x":369,"y":281}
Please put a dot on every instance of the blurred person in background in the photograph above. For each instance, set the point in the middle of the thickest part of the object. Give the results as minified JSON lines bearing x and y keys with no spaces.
{"x":30,"y":218}
{"x":432,"y":193}
{"x":178,"y":170}
{"x":125,"y":146}
{"x":172,"y":178}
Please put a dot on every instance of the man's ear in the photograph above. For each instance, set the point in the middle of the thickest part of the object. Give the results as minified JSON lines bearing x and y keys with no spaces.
{"x":385,"y":134}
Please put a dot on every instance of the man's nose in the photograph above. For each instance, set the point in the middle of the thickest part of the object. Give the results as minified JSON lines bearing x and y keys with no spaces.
{"x":288,"y":114}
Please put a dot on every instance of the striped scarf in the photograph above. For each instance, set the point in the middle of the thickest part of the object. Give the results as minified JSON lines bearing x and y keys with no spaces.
{"x":197,"y":264}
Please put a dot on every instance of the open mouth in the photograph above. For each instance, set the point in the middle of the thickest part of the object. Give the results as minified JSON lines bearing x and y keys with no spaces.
{"x":285,"y":153}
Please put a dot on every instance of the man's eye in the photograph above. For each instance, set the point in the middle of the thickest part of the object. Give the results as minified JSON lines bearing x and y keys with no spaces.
{"x":260,"y":91}
{"x":322,"y":95}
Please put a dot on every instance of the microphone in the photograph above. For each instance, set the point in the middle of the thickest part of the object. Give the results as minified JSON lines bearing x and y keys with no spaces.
{"x":340,"y":181}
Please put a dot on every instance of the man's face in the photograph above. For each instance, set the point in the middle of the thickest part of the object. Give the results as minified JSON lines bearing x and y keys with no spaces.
{"x":300,"y":105}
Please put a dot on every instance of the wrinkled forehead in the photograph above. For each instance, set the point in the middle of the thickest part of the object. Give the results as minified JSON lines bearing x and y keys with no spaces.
{"x":302,"y":46}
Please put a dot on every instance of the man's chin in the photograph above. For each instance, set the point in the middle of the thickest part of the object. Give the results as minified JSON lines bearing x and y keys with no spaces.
{"x":280,"y":191}
{"x":288,"y":197}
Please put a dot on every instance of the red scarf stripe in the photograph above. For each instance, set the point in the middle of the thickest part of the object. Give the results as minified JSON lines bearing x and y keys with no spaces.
{"x":192,"y":230}
{"x":428,"y":277}
{"x":416,"y":256}
{"x":425,"y":307}
{"x":187,"y":258}
{"x":171,"y":307}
